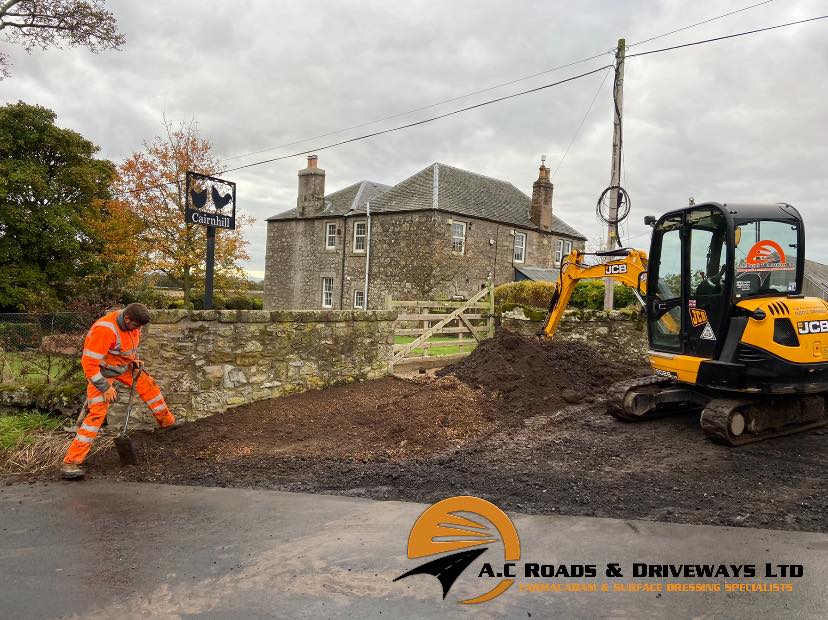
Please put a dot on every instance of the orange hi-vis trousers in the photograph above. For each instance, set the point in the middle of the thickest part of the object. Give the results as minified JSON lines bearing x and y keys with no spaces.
{"x":148,"y":391}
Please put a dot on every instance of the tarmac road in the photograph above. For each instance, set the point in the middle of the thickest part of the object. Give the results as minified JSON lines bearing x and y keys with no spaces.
{"x":103,"y":549}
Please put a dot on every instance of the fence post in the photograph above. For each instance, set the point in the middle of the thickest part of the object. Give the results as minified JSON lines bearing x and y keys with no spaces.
{"x":491,"y":321}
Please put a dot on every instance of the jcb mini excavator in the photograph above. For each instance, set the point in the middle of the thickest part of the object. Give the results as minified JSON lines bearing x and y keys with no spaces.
{"x":730,"y":332}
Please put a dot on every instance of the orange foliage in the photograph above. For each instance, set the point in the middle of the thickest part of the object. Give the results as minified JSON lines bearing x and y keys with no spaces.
{"x":151,"y":184}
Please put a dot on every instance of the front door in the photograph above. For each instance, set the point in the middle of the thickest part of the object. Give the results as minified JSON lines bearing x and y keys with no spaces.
{"x":707,"y":282}
{"x":665,"y":286}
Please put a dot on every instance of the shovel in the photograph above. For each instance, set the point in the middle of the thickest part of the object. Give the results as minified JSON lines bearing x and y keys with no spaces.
{"x":124,"y":445}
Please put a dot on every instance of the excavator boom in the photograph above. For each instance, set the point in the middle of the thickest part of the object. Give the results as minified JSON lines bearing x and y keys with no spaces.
{"x":629,"y":268}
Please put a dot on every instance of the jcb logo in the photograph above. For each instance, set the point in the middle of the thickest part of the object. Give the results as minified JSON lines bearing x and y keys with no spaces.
{"x":697,"y":317}
{"x":615,"y":269}
{"x":812,"y":327}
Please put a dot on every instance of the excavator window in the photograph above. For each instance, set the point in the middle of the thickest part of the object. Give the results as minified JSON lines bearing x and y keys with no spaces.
{"x":766,"y":258}
{"x":665,"y":289}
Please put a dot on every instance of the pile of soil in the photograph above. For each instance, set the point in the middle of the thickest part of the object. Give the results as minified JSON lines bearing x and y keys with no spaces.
{"x":390,"y":417}
{"x":538,"y":376}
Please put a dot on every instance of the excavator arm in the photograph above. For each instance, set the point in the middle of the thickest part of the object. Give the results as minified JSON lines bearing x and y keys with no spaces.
{"x":629,"y":268}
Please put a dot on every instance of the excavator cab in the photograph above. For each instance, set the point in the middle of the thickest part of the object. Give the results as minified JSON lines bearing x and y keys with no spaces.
{"x":729,"y":329}
{"x":706,"y":261}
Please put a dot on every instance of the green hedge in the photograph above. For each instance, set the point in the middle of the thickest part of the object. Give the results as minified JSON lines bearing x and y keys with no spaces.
{"x":588,"y":295}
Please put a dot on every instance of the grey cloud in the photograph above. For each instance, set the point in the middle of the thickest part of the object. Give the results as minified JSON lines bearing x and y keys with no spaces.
{"x":737,"y":120}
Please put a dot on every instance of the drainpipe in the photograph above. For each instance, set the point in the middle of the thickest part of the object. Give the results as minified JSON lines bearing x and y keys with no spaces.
{"x":344,"y":241}
{"x":367,"y":255}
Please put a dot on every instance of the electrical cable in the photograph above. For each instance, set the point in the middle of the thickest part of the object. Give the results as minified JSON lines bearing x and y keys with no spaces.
{"x":482,"y":104}
{"x":495,"y":86}
{"x":581,"y":124}
{"x":706,"y":21}
{"x":389,"y":130}
{"x":728,"y":36}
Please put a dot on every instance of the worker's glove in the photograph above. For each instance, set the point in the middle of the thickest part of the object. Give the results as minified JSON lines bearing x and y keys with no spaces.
{"x":110,"y":395}
{"x":137,"y":364}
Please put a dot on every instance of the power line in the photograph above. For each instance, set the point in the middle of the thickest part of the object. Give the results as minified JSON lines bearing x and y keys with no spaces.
{"x":495,"y":86}
{"x":581,"y":124}
{"x":390,"y":130}
{"x":728,"y":36}
{"x":482,"y":104}
{"x":706,"y":21}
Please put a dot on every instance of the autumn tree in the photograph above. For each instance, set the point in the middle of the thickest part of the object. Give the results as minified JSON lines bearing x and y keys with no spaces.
{"x":429,"y":266}
{"x":52,"y":192}
{"x":151,"y":183}
{"x":45,"y":23}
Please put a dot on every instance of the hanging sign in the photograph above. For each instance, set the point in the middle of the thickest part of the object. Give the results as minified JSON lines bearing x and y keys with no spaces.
{"x":210,"y":201}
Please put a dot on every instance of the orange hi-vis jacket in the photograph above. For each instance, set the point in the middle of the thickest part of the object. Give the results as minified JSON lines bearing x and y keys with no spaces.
{"x":109,"y":350}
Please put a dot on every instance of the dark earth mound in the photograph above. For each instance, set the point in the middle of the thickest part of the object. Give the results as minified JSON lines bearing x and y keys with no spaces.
{"x":537,"y":376}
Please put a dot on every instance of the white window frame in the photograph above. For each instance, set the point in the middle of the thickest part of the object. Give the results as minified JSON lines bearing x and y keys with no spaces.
{"x":363,"y":236}
{"x":461,"y":238}
{"x":358,"y":292}
{"x":329,"y":235}
{"x":522,"y":246}
{"x":558,"y":252}
{"x":327,"y":291}
{"x":567,"y":248}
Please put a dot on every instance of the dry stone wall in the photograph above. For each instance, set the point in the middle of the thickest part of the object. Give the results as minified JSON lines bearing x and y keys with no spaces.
{"x":212,"y":360}
{"x":618,"y":334}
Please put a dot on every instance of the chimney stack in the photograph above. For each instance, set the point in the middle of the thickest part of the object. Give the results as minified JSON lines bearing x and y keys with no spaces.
{"x":541,"y":211}
{"x":310,"y":200}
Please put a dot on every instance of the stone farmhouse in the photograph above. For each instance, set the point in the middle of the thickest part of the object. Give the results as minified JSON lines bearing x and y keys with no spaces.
{"x":438,"y":234}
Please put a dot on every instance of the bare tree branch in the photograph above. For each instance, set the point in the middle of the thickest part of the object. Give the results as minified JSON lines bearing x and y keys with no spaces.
{"x":55,"y":23}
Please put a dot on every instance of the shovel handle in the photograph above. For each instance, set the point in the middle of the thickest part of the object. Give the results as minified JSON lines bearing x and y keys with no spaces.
{"x":135,"y":376}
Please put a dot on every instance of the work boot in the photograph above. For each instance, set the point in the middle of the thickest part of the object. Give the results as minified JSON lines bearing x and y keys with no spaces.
{"x":71,"y":471}
{"x":172,"y":427}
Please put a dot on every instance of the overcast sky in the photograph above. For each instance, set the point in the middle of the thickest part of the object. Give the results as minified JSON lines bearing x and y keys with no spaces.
{"x":743,"y":120}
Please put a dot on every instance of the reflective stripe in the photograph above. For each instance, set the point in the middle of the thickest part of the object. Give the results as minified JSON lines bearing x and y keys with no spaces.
{"x":84,"y":438}
{"x":93,"y":355}
{"x":152,"y":400}
{"x":91,"y":429}
{"x":99,"y":382}
{"x":122,"y":353}
{"x":96,"y":399}
{"x":119,"y":369}
{"x":159,"y":407}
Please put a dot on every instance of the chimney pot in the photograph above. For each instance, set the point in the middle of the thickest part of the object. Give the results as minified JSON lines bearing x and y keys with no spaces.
{"x":310,"y":200}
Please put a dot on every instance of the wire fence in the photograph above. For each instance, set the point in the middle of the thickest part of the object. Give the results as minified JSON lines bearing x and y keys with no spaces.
{"x":41,"y":348}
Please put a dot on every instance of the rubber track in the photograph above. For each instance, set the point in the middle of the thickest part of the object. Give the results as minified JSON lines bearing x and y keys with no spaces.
{"x":714,"y":422}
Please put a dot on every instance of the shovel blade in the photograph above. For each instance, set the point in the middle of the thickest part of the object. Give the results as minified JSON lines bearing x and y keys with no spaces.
{"x":126,"y":450}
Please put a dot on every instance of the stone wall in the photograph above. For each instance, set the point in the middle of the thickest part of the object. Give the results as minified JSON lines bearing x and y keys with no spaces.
{"x":619,"y":334}
{"x":213,"y":360}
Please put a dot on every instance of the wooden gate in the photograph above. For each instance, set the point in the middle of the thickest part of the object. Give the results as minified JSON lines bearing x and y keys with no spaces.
{"x":424,"y":319}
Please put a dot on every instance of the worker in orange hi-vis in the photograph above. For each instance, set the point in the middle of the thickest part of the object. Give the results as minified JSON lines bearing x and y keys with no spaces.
{"x":110,"y":353}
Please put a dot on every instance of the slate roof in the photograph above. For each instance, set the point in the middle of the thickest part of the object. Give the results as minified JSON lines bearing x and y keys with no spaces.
{"x":343,"y":200}
{"x":539,"y":273}
{"x":457,"y":191}
{"x":816,"y":279}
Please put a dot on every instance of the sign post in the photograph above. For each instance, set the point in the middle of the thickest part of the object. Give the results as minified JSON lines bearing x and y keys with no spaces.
{"x":210,"y":202}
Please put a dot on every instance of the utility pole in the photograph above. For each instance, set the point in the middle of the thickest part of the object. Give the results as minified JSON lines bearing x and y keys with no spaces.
{"x":615,"y":174}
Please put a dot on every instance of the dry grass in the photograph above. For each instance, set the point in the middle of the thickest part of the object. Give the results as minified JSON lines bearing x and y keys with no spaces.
{"x":46,"y":452}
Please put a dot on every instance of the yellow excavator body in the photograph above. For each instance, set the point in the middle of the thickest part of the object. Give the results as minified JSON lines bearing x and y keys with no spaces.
{"x":729,"y":330}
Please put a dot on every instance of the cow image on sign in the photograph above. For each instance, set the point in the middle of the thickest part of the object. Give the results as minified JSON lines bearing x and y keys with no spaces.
{"x":214,"y":208}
